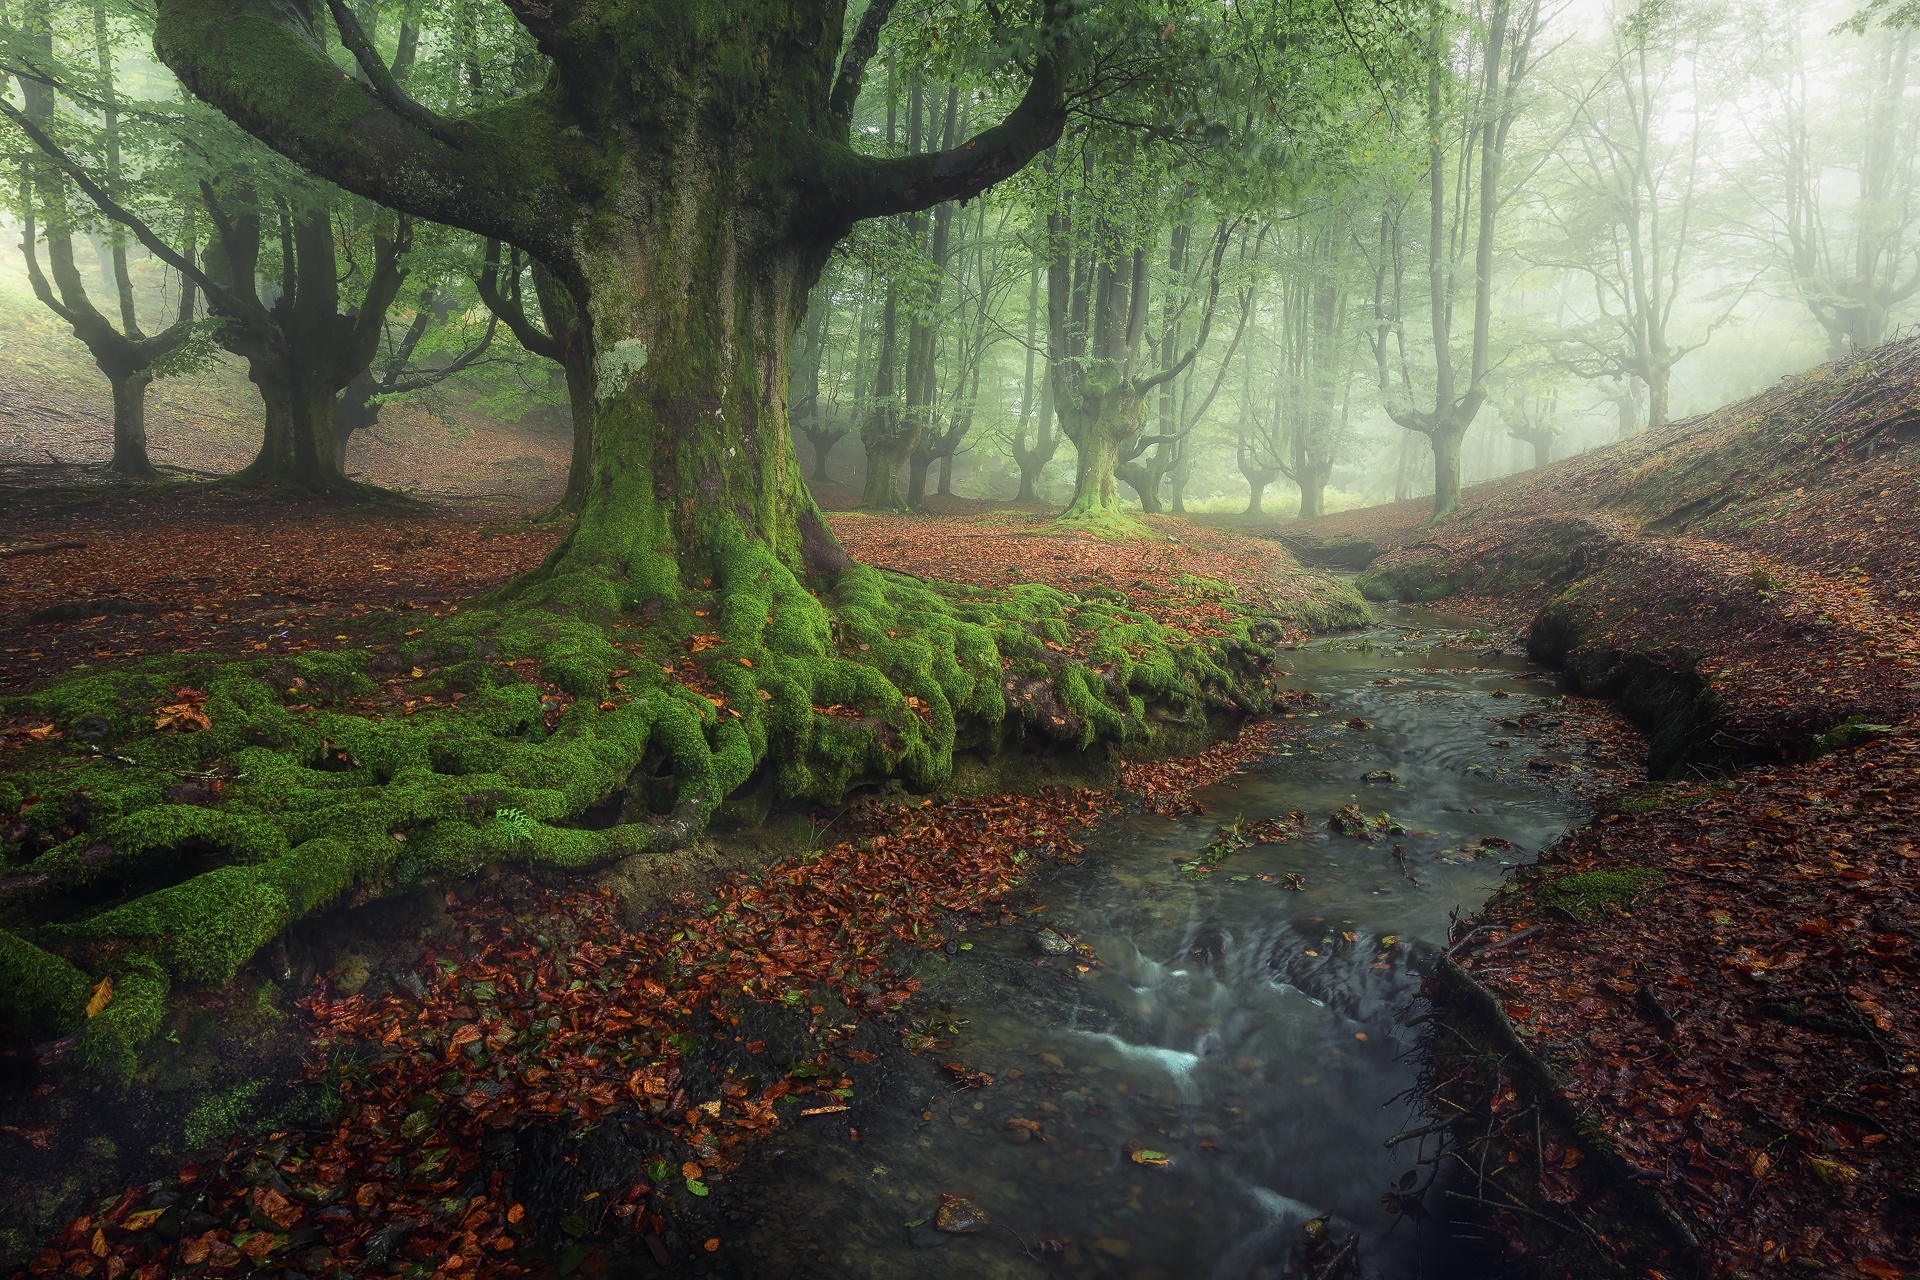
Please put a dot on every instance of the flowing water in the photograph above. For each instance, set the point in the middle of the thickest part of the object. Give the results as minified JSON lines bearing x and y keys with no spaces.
{"x":1249,"y":1027}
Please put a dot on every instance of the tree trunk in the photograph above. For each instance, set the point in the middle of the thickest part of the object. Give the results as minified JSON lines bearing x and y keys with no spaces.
{"x":577,"y":363}
{"x":820,"y":454}
{"x":1045,"y":444}
{"x":130,"y":425}
{"x":1313,"y":491}
{"x":1659,"y":388}
{"x":917,"y":479}
{"x":1257,"y":492}
{"x":693,"y":458}
{"x":1446,"y":467}
{"x":297,"y":442}
{"x":354,"y":409}
{"x":946,"y":475}
{"x":1106,"y":420}
{"x":1144,"y":482}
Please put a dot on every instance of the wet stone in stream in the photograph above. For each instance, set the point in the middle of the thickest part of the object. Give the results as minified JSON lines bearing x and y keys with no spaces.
{"x":1190,"y":1070}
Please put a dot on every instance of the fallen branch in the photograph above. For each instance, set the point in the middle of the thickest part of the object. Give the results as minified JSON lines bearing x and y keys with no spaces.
{"x":39,"y":548}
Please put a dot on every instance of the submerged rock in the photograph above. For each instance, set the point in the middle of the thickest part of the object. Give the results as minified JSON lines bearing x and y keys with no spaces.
{"x":1051,"y":942}
{"x":958,"y":1215}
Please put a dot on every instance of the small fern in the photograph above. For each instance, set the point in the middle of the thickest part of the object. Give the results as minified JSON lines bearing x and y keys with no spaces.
{"x":513,"y":823}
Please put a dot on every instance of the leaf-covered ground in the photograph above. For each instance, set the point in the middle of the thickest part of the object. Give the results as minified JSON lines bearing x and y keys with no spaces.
{"x":536,"y":1007}
{"x":184,"y":569}
{"x":1721,"y":975}
{"x":546,"y":1008}
{"x":1176,"y":575}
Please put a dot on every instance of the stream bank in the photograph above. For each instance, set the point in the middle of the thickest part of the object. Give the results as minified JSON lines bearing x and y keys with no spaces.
{"x":1689,"y":1040}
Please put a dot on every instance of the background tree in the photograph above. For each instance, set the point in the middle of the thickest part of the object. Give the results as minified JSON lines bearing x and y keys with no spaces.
{"x":1848,"y":249}
{"x":1468,"y":122}
{"x":1631,"y":202}
{"x":89,"y":113}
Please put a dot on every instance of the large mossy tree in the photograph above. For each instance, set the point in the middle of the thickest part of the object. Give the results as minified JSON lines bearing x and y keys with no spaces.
{"x":699,"y":643}
{"x":686,"y":168}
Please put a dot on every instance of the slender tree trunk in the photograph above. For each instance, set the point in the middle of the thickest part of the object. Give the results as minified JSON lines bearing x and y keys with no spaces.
{"x":577,"y":364}
{"x":1446,"y":466}
{"x":1659,"y":389}
{"x":917,"y":479}
{"x":820,"y":452}
{"x":946,"y":475}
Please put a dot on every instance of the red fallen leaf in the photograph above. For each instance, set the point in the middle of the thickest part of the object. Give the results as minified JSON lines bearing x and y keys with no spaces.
{"x":1878,"y":1268}
{"x":466,"y":1034}
{"x":279,"y":1210}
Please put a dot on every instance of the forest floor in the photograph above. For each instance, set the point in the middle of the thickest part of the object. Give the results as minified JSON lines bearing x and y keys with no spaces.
{"x":446,"y":1020}
{"x":1711,"y":990}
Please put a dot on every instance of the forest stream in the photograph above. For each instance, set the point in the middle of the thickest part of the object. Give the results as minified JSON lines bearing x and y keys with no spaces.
{"x":1226,"y":1054}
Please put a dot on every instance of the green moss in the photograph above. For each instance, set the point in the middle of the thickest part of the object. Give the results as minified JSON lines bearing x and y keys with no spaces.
{"x":1586,"y":895}
{"x":111,"y":1041}
{"x":44,"y":994}
{"x":1852,"y":730}
{"x":1405,"y":578}
{"x":220,"y":1116}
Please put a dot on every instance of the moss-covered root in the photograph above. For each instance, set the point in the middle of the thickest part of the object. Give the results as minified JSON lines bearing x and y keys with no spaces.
{"x":520,"y":717}
{"x":44,"y":994}
{"x":112,"y":1039}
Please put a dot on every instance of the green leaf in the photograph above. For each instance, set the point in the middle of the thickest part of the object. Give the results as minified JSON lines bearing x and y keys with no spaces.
{"x":696,"y":1186}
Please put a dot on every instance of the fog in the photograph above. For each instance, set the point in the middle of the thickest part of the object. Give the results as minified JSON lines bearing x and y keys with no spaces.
{"x":1692,"y":201}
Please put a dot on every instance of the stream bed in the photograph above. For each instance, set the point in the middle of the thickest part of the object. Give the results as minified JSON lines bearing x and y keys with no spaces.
{"x":1246,"y":1026}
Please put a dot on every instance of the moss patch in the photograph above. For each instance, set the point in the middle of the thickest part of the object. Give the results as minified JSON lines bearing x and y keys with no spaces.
{"x":1590,"y":893}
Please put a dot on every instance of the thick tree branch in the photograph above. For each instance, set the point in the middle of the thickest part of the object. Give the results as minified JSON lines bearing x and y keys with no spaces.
{"x":857,"y":187}
{"x":509,"y":307}
{"x":354,"y":36}
{"x":518,"y":176}
{"x":853,"y":64}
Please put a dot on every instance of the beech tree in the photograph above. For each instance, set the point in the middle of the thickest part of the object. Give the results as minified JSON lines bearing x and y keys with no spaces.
{"x":127,"y":355}
{"x":1498,"y":46}
{"x":685,"y":169}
